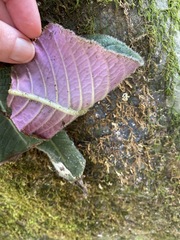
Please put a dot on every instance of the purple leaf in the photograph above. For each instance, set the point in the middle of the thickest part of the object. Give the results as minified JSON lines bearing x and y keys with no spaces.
{"x":66,"y":77}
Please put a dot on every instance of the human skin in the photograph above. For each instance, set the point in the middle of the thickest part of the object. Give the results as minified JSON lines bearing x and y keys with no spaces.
{"x":19,"y":22}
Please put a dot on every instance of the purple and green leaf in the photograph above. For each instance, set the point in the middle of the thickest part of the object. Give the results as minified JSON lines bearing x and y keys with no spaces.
{"x":65,"y":157}
{"x":67,"y":76}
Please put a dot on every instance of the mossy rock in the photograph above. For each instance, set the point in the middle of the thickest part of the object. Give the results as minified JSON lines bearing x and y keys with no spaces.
{"x":130,"y":142}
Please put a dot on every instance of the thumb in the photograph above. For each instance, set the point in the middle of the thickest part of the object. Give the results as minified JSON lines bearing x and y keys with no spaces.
{"x":14,"y":46}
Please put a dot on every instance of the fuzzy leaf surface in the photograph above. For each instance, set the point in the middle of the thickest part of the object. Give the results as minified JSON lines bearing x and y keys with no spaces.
{"x":67,"y":160}
{"x":12,"y":142}
{"x":67,"y":76}
{"x":5,"y":82}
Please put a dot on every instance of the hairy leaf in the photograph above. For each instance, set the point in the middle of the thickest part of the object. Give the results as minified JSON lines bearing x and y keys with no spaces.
{"x":5,"y":82}
{"x":12,"y":142}
{"x":67,"y":160}
{"x":67,"y":76}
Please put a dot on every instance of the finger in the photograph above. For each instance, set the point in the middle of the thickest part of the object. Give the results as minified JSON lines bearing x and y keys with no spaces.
{"x":14,"y":46}
{"x":4,"y":15}
{"x":25,"y":16}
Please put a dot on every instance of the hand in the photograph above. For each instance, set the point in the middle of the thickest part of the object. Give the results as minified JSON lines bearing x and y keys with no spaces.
{"x":19,"y":21}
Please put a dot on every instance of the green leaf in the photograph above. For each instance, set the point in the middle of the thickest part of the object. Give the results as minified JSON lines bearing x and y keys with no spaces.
{"x":65,"y":157}
{"x":12,"y":142}
{"x":115,"y":45}
{"x":5,"y":81}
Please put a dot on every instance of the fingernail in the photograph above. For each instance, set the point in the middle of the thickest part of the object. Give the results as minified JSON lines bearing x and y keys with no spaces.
{"x":23,"y":51}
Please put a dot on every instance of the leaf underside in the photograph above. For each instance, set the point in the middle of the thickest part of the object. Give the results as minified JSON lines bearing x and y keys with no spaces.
{"x":67,"y":76}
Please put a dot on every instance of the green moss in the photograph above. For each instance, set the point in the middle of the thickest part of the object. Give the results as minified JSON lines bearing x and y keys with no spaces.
{"x":75,"y":15}
{"x":35,"y":204}
{"x":161,"y":26}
